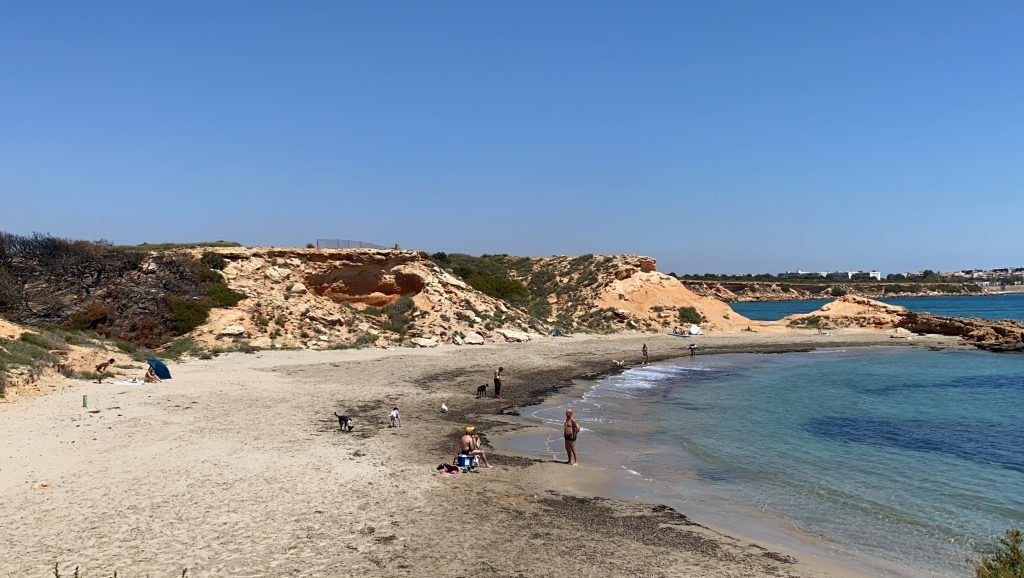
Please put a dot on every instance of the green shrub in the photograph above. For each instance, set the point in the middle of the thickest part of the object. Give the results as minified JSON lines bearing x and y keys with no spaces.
{"x":399,"y":314}
{"x":126,"y":346}
{"x":221,"y":295}
{"x":837,"y":291}
{"x":1007,"y":561}
{"x":247,"y":348}
{"x":187,"y":314}
{"x":811,"y":321}
{"x":310,"y":246}
{"x":690,"y":315}
{"x":539,"y":309}
{"x":214,"y":260}
{"x":500,"y":287}
{"x":179,"y":347}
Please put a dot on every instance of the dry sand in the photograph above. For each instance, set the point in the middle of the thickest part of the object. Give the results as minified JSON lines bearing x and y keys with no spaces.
{"x":236,"y":467}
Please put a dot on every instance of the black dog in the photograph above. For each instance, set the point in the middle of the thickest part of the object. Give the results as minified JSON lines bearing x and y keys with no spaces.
{"x":481,"y":391}
{"x":344,"y":422}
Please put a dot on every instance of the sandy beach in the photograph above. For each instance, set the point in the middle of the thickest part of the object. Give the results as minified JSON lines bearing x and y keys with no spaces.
{"x":236,"y":467}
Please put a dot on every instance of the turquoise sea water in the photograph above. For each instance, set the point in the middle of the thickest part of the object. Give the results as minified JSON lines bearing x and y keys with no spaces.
{"x":904,"y":460}
{"x":1008,"y":306}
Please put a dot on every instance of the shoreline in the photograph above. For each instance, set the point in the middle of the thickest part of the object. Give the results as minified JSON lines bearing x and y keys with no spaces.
{"x":237,"y":467}
{"x":744,"y":521}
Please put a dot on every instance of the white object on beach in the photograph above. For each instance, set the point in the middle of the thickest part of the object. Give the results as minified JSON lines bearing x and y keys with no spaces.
{"x":444,"y":408}
{"x":696,"y":330}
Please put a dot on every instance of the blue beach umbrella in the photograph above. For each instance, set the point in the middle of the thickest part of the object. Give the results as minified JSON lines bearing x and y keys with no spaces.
{"x":159,"y":368}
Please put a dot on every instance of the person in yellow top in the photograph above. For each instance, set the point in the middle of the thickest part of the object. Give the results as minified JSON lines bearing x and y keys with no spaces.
{"x":469,"y":445}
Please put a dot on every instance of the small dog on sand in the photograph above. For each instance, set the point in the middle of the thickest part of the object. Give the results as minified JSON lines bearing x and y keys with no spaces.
{"x":481,"y":391}
{"x":344,"y":422}
{"x":396,"y":420}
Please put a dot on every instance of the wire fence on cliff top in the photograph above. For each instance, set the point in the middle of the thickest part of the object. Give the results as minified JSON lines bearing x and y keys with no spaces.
{"x":345,"y":244}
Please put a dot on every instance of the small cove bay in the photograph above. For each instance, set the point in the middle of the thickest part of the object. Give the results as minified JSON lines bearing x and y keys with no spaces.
{"x":905,"y":461}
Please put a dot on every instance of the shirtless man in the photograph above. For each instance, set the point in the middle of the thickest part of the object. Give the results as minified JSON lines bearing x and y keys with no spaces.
{"x":571,"y":430}
{"x":469,"y":445}
{"x":646,"y":353}
{"x":497,"y":382}
{"x":102,"y":369}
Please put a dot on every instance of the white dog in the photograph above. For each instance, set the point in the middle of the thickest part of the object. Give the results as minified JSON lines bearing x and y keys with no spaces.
{"x":396,"y":420}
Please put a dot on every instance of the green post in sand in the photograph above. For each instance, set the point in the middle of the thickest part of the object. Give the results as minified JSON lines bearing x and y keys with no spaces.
{"x":85,"y":400}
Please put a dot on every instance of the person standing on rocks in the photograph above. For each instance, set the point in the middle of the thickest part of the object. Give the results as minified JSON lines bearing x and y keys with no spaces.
{"x":498,"y":376}
{"x":571,"y":431}
{"x":646,"y":353}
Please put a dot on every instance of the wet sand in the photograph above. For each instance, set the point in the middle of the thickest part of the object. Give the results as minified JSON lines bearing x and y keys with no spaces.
{"x":236,"y":467}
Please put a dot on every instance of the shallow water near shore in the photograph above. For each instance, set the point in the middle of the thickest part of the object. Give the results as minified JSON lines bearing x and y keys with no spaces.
{"x":1006,"y":306}
{"x":903,"y":461}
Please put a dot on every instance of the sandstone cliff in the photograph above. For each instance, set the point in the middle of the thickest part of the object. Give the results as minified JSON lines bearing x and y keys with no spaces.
{"x":599,"y":292}
{"x":321,"y":298}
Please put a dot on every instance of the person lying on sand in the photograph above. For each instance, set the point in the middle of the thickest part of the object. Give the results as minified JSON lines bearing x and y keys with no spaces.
{"x":151,"y":376}
{"x":102,"y":369}
{"x":469,"y":444}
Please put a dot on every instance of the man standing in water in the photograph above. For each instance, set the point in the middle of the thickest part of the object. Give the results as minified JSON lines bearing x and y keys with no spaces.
{"x":571,"y":430}
{"x":497,"y":382}
{"x":693,"y":349}
{"x":645,"y":353}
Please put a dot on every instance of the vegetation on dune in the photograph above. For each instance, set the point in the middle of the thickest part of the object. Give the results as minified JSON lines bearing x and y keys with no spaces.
{"x":519,"y":283}
{"x":1006,"y":560}
{"x":141,"y":294}
{"x":837,"y":292}
{"x":809,"y":322}
{"x":690,"y":315}
{"x":399,"y":315}
{"x":30,"y":352}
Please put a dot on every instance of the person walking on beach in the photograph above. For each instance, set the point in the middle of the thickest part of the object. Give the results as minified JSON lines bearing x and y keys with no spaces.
{"x":693,"y":349}
{"x":570,"y":431}
{"x":498,"y":376}
{"x":102,"y":369}
{"x":646,"y":353}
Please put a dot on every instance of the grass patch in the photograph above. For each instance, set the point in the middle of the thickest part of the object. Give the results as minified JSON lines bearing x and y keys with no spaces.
{"x":809,"y":322}
{"x":45,"y":340}
{"x":179,"y":347}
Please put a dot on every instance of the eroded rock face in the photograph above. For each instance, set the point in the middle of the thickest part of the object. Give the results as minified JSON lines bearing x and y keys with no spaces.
{"x":319,"y":298}
{"x":994,"y":335}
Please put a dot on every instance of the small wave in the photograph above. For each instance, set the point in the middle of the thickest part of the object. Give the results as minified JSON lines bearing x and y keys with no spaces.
{"x":633,"y":472}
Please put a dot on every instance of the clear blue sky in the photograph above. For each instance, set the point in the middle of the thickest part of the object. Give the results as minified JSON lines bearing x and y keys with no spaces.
{"x":715,"y":136}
